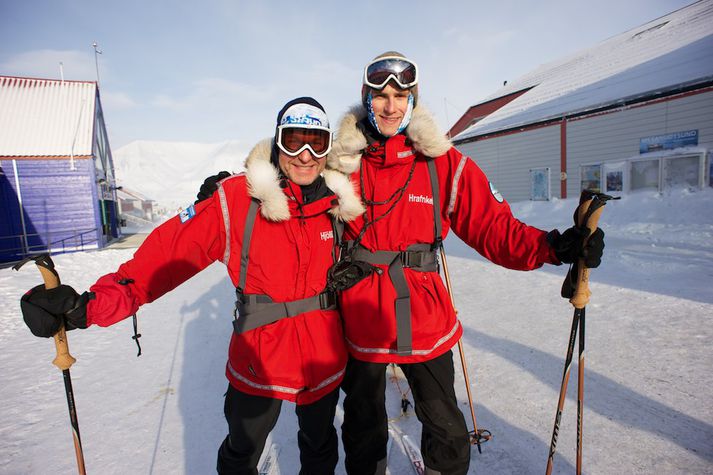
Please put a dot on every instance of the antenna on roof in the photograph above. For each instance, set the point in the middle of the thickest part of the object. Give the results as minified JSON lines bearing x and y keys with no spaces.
{"x":97,"y":52}
{"x":61,"y":71}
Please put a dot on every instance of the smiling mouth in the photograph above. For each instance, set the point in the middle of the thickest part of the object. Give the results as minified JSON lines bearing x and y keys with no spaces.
{"x":304,"y":167}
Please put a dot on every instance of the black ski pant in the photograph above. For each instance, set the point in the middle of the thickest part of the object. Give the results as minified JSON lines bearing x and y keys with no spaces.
{"x":445,"y":443}
{"x":250,"y":420}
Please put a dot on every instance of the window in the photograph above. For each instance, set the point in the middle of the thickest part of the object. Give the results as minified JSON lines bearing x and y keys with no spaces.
{"x":645,"y":174}
{"x":540,"y":184}
{"x":592,"y":177}
{"x":615,"y":177}
{"x":682,"y":171}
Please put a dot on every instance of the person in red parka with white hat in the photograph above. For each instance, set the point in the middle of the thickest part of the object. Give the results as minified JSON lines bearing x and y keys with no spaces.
{"x":416,"y":187}
{"x":273,"y":229}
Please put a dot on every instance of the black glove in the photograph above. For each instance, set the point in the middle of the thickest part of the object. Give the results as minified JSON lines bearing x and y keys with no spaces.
{"x":44,"y":310}
{"x":210,"y":185}
{"x":569,"y":246}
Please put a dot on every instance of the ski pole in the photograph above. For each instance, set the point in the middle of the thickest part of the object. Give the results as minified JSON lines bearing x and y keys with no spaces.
{"x":478,"y":435}
{"x":63,"y":360}
{"x":591,"y":205}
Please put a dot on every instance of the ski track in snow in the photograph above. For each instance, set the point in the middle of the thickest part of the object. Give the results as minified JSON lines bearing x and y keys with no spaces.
{"x":648,"y":398}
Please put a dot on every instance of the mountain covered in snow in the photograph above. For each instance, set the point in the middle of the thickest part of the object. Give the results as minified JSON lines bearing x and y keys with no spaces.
{"x":171,"y":172}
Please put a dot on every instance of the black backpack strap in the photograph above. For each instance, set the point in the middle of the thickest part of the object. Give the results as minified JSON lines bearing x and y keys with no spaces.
{"x":338,"y":230}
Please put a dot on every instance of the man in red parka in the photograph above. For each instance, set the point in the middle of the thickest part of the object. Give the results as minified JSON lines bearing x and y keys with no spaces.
{"x":416,"y":187}
{"x":273,"y":229}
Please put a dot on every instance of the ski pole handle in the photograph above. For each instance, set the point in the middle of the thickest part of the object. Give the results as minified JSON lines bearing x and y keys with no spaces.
{"x":63,"y":360}
{"x":590,"y":220}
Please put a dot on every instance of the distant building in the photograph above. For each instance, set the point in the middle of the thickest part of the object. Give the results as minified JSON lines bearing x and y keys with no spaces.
{"x":57,"y":187}
{"x":633,"y":112}
{"x":135,"y":204}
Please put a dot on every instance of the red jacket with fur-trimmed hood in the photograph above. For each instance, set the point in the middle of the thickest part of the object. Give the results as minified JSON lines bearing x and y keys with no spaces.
{"x":469,"y":205}
{"x":297,"y":359}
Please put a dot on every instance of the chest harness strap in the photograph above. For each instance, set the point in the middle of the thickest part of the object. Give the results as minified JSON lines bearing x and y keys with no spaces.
{"x":419,"y":257}
{"x":256,"y":310}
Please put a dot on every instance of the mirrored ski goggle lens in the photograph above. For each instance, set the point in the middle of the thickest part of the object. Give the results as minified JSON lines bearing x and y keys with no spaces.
{"x":294,"y":139}
{"x":378,"y":74}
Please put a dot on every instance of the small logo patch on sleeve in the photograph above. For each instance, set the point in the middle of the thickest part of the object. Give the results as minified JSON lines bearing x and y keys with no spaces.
{"x":187,"y":213}
{"x":496,"y":194}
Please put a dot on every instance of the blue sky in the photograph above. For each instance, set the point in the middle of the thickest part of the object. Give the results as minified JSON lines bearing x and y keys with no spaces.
{"x":219,"y":70}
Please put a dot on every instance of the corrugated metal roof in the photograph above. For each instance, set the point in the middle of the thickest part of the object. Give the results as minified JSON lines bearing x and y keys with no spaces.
{"x":673,"y":50}
{"x":46,"y":118}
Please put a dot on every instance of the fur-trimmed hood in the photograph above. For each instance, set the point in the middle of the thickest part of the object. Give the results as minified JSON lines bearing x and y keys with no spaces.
{"x":264,"y":184}
{"x":350,"y":141}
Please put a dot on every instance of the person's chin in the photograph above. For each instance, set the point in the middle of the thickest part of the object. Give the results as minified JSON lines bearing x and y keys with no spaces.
{"x":389,"y":128}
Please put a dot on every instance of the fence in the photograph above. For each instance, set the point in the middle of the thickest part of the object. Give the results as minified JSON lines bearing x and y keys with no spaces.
{"x":76,"y":241}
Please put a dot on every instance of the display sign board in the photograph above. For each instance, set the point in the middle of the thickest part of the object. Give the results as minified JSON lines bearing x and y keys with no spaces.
{"x":668,"y":141}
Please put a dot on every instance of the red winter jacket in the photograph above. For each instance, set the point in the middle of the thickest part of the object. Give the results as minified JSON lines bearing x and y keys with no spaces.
{"x":468,"y":204}
{"x":297,"y":359}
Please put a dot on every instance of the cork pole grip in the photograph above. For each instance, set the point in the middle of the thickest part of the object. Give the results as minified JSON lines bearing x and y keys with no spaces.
{"x":582,"y":293}
{"x":63,"y":360}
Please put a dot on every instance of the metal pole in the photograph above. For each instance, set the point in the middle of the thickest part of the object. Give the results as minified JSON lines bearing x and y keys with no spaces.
{"x":25,"y":245}
{"x":97,"y":52}
{"x":63,"y":360}
{"x":476,"y":434}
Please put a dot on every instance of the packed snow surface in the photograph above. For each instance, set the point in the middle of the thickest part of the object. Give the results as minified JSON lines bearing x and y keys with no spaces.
{"x":648,"y":403}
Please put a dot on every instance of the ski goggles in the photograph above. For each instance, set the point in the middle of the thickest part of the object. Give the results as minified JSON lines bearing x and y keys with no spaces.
{"x":293,"y":140}
{"x":382,"y":70}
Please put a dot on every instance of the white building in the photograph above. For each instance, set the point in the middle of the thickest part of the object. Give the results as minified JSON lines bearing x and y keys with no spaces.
{"x":633,"y":112}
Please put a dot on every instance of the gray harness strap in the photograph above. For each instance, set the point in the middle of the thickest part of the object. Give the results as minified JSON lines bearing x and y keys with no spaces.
{"x":256,"y":310}
{"x":247,"y":237}
{"x":420,"y":257}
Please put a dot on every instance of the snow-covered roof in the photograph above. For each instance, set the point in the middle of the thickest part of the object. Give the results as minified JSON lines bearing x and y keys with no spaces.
{"x":662,"y":55}
{"x":46,"y":117}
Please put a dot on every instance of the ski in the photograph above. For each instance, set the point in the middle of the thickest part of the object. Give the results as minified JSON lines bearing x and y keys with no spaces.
{"x":412,"y":451}
{"x":389,"y":444}
{"x":268,"y":465}
{"x":414,"y":454}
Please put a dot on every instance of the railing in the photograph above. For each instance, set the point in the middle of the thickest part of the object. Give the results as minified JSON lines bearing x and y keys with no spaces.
{"x":77,"y":241}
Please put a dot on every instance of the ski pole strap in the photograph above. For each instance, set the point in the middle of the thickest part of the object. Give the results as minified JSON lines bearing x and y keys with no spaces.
{"x":419,"y":257}
{"x":257,"y":310}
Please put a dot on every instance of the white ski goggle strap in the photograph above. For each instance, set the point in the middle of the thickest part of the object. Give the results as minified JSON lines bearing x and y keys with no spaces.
{"x":293,"y":140}
{"x":382,"y":70}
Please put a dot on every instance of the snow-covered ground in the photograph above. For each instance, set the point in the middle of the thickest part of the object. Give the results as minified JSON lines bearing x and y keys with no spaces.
{"x":648,"y":379}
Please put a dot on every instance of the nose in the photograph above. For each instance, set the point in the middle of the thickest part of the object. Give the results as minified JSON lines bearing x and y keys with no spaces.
{"x":305,"y":156}
{"x":390,"y":105}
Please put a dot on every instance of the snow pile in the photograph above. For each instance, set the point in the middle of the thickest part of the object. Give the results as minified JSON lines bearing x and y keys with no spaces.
{"x":171,"y":172}
{"x":648,"y":404}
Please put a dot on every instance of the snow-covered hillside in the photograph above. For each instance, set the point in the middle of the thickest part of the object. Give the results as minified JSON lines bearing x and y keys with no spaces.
{"x":648,"y":404}
{"x":171,"y":172}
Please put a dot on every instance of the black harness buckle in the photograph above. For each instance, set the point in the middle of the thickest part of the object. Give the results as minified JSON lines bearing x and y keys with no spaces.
{"x":327,"y":299}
